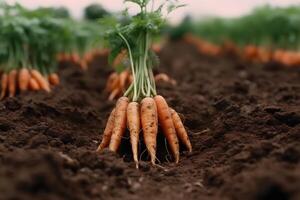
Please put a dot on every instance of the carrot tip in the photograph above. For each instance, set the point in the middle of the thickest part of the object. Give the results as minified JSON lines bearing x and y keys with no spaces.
{"x":99,"y":149}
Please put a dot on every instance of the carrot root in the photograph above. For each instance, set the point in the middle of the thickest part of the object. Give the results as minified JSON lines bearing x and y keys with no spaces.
{"x":166,"y":122}
{"x":33,"y":84}
{"x":119,"y":124}
{"x":180,"y":130}
{"x":53,"y":79}
{"x":43,"y":83}
{"x":134,"y":125}
{"x":4,"y":85}
{"x":12,"y":81}
{"x":149,"y":124}
{"x":107,"y":132}
{"x":24,"y":77}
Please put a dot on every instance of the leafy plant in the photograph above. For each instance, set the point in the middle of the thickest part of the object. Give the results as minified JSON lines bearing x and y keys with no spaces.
{"x":136,"y":37}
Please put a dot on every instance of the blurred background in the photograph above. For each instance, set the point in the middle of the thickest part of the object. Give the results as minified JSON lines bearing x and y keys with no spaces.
{"x":258,"y":30}
{"x":195,"y":8}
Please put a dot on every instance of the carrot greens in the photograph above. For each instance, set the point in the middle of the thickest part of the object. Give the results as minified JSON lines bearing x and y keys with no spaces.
{"x":136,"y":36}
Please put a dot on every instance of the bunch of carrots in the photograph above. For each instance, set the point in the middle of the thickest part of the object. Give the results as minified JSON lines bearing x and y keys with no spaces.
{"x":32,"y":44}
{"x":140,"y":107}
{"x":26,"y":79}
{"x":28,"y":62}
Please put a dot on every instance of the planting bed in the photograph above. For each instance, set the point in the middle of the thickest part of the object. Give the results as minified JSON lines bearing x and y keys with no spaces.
{"x":243,"y":120}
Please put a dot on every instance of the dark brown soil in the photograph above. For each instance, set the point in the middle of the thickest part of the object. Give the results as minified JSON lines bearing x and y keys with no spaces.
{"x":243,"y":120}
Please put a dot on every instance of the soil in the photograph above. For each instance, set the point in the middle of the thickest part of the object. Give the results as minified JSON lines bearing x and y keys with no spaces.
{"x":243,"y":120}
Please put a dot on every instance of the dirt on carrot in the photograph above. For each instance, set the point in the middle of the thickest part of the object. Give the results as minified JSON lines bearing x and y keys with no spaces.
{"x":119,"y":126}
{"x":134,"y":126}
{"x":149,"y":122}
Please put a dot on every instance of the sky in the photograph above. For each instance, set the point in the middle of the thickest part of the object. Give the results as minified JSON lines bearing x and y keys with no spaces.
{"x":196,"y":8}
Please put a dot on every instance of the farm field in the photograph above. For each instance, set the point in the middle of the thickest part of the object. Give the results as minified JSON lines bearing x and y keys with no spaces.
{"x":243,"y":120}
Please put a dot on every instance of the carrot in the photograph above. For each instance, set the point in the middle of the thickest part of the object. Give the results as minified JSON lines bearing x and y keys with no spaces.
{"x":130,"y":79}
{"x":59,"y":57}
{"x":166,"y":122}
{"x":115,"y":84}
{"x":150,"y":125}
{"x":53,"y":79}
{"x":107,"y":131}
{"x":114,"y":94}
{"x":119,"y":58}
{"x":83,"y":64}
{"x":24,"y":77}
{"x":180,"y":130}
{"x":74,"y":57}
{"x":164,"y":77}
{"x":12,"y":80}
{"x":4,"y":84}
{"x":33,"y":84}
{"x":102,"y":52}
{"x":88,"y":57}
{"x":43,"y":83}
{"x":123,"y":77}
{"x":110,"y":81}
{"x":156,"y":48}
{"x":119,"y":124}
{"x":134,"y":125}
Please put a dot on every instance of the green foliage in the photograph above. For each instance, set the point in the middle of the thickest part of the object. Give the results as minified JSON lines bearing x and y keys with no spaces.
{"x":33,"y":38}
{"x":269,"y":26}
{"x":94,"y":12}
{"x":136,"y":34}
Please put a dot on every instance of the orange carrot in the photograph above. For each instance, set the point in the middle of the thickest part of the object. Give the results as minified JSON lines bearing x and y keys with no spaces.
{"x":88,"y":57}
{"x":123,"y":77}
{"x":164,"y":77}
{"x":33,"y":84}
{"x":53,"y":79}
{"x":114,"y":94}
{"x":12,"y":81}
{"x":119,"y":58}
{"x":116,"y":83}
{"x":130,"y":79}
{"x":102,"y":52}
{"x":83,"y":64}
{"x":75,"y":58}
{"x":119,"y":124}
{"x":134,"y":125}
{"x":110,"y":81}
{"x":4,"y":84}
{"x":107,"y":131}
{"x":180,"y":130}
{"x":24,"y":77}
{"x":150,"y":125}
{"x":156,"y":48}
{"x":166,"y":122}
{"x":43,"y":83}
